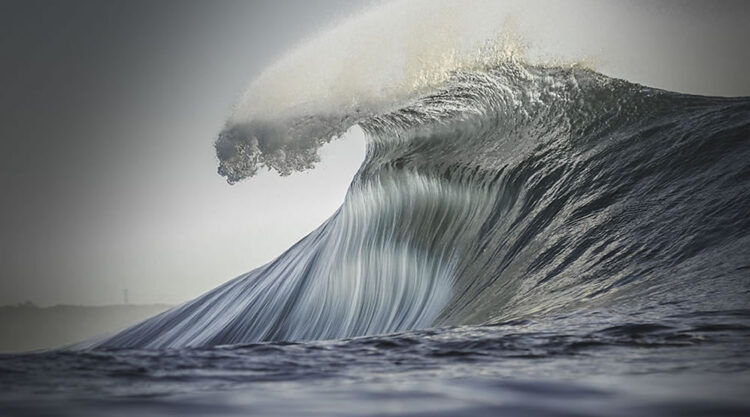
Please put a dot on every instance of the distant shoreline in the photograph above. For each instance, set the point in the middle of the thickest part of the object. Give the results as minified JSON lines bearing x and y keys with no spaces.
{"x":27,"y":327}
{"x":29,"y":305}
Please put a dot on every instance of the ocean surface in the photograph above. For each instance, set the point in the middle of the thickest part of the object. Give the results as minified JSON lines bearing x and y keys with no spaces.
{"x":651,"y":361}
{"x":523,"y":240}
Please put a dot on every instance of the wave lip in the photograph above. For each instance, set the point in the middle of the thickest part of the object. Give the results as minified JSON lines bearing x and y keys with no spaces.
{"x":285,"y":145}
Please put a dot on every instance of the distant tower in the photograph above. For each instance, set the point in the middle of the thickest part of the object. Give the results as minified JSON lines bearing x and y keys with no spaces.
{"x":125,"y":296}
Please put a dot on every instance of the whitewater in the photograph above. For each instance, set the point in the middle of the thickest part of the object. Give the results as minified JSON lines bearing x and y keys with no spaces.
{"x":524,"y":236}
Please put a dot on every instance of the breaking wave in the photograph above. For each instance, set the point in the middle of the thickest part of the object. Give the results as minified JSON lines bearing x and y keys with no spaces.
{"x":509,"y":192}
{"x":493,"y":189}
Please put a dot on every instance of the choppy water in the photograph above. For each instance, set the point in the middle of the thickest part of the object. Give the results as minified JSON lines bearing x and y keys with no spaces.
{"x":664,"y":360}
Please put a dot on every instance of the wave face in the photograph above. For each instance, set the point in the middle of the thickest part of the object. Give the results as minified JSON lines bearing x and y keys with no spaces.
{"x":509,"y":192}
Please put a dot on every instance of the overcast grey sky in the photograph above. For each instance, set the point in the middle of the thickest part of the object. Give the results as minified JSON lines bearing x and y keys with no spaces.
{"x":109,"y":110}
{"x":107,"y":170}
